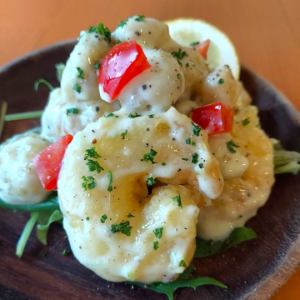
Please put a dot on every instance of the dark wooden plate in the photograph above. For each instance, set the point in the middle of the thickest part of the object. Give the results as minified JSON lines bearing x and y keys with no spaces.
{"x":44,"y":273}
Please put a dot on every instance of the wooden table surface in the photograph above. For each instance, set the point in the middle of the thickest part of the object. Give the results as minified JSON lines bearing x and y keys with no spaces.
{"x":266,"y":34}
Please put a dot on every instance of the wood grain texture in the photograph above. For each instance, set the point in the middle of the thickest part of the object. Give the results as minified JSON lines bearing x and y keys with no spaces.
{"x":266,"y":34}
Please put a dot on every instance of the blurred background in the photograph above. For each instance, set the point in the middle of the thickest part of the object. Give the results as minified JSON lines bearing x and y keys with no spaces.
{"x":266,"y":34}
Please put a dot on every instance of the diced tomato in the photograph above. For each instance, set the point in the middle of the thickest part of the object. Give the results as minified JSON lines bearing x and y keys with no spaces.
{"x":124,"y":62}
{"x":215,"y":117}
{"x":48,"y":162}
{"x":203,"y":48}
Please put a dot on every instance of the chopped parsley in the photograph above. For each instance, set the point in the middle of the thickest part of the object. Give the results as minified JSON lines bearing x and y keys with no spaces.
{"x":88,"y":182}
{"x":110,"y":181}
{"x":151,"y":116}
{"x":177,"y":199}
{"x":102,"y":30}
{"x":179,"y":55}
{"x":124,"y":134}
{"x":80,"y":73}
{"x":196,"y":129}
{"x":231,"y":146}
{"x":149,"y":156}
{"x":158,"y":232}
{"x":130,"y":215}
{"x":245,"y":122}
{"x":185,"y":158}
{"x":96,"y":66}
{"x":77,"y":88}
{"x":72,"y":111}
{"x":91,"y":153}
{"x":103,"y":218}
{"x":221,"y":81}
{"x":155,"y":245}
{"x":195,"y":158}
{"x":139,"y":18}
{"x":124,"y":227}
{"x":196,"y":43}
{"x":134,"y":115}
{"x":189,"y":141}
{"x":94,"y":166}
{"x":110,"y":115}
{"x":150,"y":181}
{"x":182,"y":263}
{"x":122,"y":23}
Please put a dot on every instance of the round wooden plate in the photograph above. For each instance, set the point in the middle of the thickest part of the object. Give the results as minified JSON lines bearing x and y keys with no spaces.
{"x":44,"y":273}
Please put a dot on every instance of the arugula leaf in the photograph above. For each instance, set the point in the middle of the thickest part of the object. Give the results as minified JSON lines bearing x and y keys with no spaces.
{"x":42,"y":81}
{"x":239,"y":235}
{"x":45,"y":220}
{"x":50,"y":204}
{"x":285,"y":161}
{"x":23,"y":239}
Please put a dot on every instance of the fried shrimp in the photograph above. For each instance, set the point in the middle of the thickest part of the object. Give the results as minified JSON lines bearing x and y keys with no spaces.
{"x":115,"y":223}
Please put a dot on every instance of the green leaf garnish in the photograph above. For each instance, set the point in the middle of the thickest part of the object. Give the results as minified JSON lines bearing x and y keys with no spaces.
{"x":149,"y":156}
{"x":122,"y":23}
{"x":91,"y":153}
{"x":42,"y":81}
{"x":285,"y":161}
{"x":110,"y":181}
{"x":245,"y":122}
{"x":102,"y":30}
{"x":139,"y":18}
{"x":196,"y":129}
{"x":88,"y":182}
{"x":231,"y":146}
{"x":45,"y":220}
{"x":123,"y":134}
{"x":134,"y":115}
{"x":195,"y":158}
{"x":124,"y":227}
{"x":179,"y":55}
{"x":77,"y":88}
{"x":93,"y":165}
{"x":72,"y":111}
{"x":103,"y":218}
{"x":158,"y":232}
{"x":170,"y":288}
{"x":239,"y":235}
{"x":177,"y":199}
{"x":80,"y":73}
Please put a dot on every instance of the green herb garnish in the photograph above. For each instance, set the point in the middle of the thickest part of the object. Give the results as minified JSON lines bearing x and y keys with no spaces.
{"x":245,"y":122}
{"x":221,"y":81}
{"x":91,"y":153}
{"x":182,"y":263}
{"x":93,"y":165}
{"x":96,"y":66}
{"x":239,"y":235}
{"x":155,"y":245}
{"x":134,"y":115}
{"x":195,"y":158}
{"x":88,"y":182}
{"x":177,"y":199}
{"x":196,"y":43}
{"x":80,"y":73}
{"x":231,"y":146}
{"x":149,"y":156}
{"x":103,"y":218}
{"x":179,"y":55}
{"x":122,"y":23}
{"x":102,"y":30}
{"x":77,"y":88}
{"x":189,"y":141}
{"x":110,"y":181}
{"x":72,"y":111}
{"x":124,"y":134}
{"x":158,"y":232}
{"x":196,"y":129}
{"x":110,"y":115}
{"x":150,"y":181}
{"x":124,"y":227}
{"x":139,"y":18}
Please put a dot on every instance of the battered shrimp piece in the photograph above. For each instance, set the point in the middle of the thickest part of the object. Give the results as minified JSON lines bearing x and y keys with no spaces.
{"x":19,"y":183}
{"x":245,"y":194}
{"x":79,"y":79}
{"x":61,"y":117}
{"x":115,"y":225}
{"x":156,"y":89}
